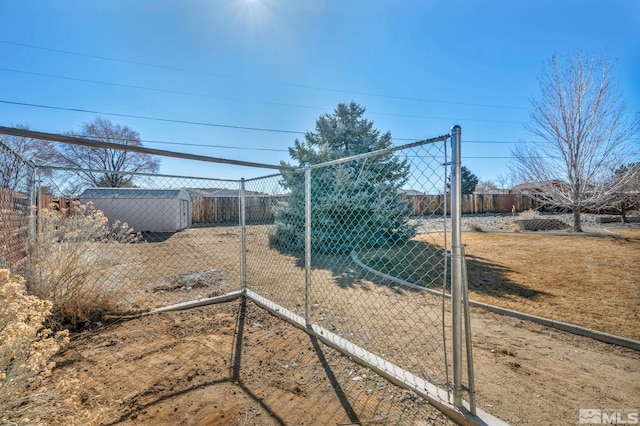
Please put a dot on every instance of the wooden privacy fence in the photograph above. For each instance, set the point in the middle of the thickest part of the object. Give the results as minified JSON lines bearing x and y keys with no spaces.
{"x":14,"y":228}
{"x":259,"y":207}
{"x":473,"y":203}
{"x":218,"y":210}
{"x":227,"y":209}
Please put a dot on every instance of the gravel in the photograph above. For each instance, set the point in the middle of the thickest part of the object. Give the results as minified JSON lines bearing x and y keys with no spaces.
{"x":506,"y":222}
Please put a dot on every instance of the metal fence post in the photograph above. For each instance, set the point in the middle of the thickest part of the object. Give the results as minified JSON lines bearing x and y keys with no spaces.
{"x":307,"y":242}
{"x":456,"y":265}
{"x":467,"y":333}
{"x":35,"y":185}
{"x":243,"y":235}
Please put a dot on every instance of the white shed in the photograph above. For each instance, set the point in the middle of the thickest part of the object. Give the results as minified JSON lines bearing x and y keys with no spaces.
{"x":154,"y":210}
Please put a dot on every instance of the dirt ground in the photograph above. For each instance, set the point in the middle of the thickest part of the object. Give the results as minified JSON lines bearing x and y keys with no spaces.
{"x":236,"y":364}
{"x":233,"y":364}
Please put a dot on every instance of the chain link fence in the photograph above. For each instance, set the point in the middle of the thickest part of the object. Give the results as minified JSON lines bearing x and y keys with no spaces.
{"x":185,"y":234}
{"x":377,"y":269}
{"x":345,"y":249}
{"x":358,"y":252}
{"x":16,"y":192}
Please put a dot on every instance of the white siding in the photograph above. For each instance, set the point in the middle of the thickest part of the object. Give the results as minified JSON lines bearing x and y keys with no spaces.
{"x":143,"y":214}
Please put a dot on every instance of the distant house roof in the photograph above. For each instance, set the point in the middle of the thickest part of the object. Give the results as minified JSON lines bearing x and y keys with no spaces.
{"x":537,"y":186}
{"x":490,"y":192}
{"x":413,"y":193}
{"x":133,"y":193}
{"x":218,"y":192}
{"x":212,"y":192}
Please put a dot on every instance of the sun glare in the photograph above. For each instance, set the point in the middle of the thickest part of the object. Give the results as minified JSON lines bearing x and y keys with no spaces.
{"x":254,"y":11}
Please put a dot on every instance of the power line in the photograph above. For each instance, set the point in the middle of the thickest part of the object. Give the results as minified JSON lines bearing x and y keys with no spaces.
{"x":154,"y":89}
{"x":141,"y":117}
{"x":494,"y":142}
{"x":213,"y":146}
{"x":235,"y":127}
{"x":229,"y":98}
{"x":92,"y":142}
{"x":182,"y":122}
{"x":106,"y":83}
{"x":169,"y":120}
{"x":132,"y":148}
{"x":503,"y":157}
{"x":303,"y":86}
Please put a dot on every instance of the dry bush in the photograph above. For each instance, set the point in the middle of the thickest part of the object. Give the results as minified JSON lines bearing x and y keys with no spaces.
{"x":26,"y":348}
{"x":529,"y":214}
{"x":74,"y":261}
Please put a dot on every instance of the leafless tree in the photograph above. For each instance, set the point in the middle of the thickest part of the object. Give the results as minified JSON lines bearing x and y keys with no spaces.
{"x":14,"y":150}
{"x":628,"y":196}
{"x":486,"y":186}
{"x":585,"y":133}
{"x":505,"y":182}
{"x":107,"y":167}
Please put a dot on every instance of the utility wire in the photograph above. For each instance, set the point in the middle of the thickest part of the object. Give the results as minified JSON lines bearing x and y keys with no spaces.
{"x":213,"y":146}
{"x":141,"y":117}
{"x":169,"y":120}
{"x":132,"y":148}
{"x":229,"y":98}
{"x":156,"y":89}
{"x":235,"y":127}
{"x":303,"y":86}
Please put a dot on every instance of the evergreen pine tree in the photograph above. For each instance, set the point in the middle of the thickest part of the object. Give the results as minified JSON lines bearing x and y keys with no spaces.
{"x":354,"y":204}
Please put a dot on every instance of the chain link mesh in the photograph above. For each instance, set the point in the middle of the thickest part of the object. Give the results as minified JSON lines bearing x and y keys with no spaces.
{"x":378,"y":264}
{"x":186,"y":232}
{"x":278,"y":275}
{"x":16,"y":183}
{"x":378,"y":249}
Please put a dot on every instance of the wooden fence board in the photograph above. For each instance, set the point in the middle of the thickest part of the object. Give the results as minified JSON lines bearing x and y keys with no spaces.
{"x":14,"y":228}
{"x":259,"y":208}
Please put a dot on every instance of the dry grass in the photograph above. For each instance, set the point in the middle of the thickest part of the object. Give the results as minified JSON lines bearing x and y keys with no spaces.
{"x":74,"y":262}
{"x":591,"y":281}
{"x":26,"y":349}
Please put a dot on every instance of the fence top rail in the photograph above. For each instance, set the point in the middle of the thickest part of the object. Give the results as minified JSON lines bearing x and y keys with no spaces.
{"x":77,"y":169}
{"x":13,"y":152}
{"x":264,"y":177}
{"x":442,"y":138}
{"x":152,"y":151}
{"x":12,"y":131}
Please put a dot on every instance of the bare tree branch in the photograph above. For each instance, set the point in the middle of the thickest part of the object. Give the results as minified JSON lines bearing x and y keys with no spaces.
{"x":119,"y":164}
{"x":585,"y":135}
{"x":13,"y":174}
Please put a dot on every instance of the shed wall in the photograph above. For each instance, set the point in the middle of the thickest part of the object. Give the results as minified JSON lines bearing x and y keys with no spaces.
{"x":146,"y":214}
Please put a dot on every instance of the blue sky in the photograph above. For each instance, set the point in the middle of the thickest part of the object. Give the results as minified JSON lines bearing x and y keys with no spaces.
{"x":419,"y":67}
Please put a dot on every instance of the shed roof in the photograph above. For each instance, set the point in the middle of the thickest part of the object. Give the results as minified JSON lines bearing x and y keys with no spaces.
{"x":134,"y":193}
{"x":219,"y":192}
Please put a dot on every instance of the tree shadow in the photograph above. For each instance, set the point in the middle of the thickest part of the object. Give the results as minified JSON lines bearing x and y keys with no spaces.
{"x":155,"y":237}
{"x":490,"y":278}
{"x":234,"y":379}
{"x":335,"y":383}
{"x":420,"y":263}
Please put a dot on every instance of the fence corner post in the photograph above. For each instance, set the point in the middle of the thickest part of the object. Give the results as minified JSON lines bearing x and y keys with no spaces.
{"x":307,"y":242}
{"x":456,"y":265}
{"x":243,"y":235}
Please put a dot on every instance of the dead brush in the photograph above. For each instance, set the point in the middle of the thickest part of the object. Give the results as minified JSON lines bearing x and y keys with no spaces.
{"x":530,"y":214}
{"x":27,"y":395}
{"x":75,"y":262}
